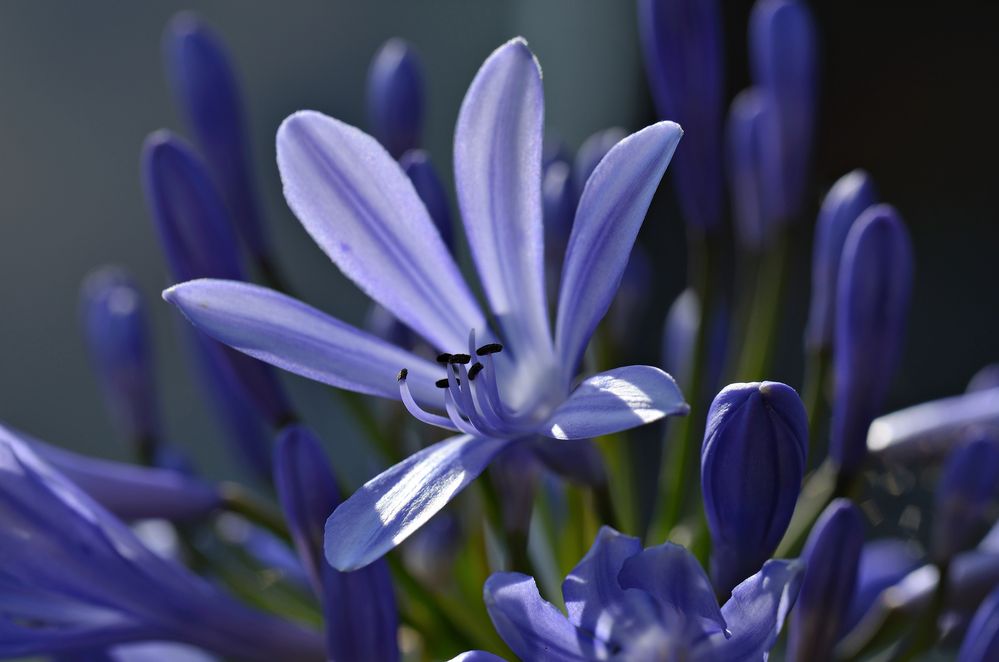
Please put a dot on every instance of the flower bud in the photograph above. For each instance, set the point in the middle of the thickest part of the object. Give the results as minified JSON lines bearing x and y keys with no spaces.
{"x":832,"y":556}
{"x":784,"y":62}
{"x":116,"y":330}
{"x":754,"y":168}
{"x":205,"y":86}
{"x":395,"y":97}
{"x":428,"y":186}
{"x":359,"y":607}
{"x":967,"y":498}
{"x":752,"y":463}
{"x":847,"y":199}
{"x":198,"y":241}
{"x":872,"y":302}
{"x":985,"y":379}
{"x":981,"y":642}
{"x":684,"y":62}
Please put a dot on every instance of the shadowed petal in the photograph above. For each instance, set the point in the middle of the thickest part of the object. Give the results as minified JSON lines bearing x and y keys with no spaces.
{"x":291,"y":335}
{"x":477,"y":656}
{"x":533,"y":628}
{"x":616,"y":400}
{"x":394,"y":504}
{"x":672,"y":574}
{"x":610,"y":212}
{"x":497,"y":170}
{"x":362,"y":210}
{"x":756,"y":611}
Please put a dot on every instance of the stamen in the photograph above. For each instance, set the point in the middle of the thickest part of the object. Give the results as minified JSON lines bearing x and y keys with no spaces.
{"x":462,"y":395}
{"x":442,"y":383}
{"x":489,"y":348}
{"x":474,"y":370}
{"x":463,"y":359}
{"x":444,"y":358}
{"x":416,"y":411}
{"x":455,"y":416}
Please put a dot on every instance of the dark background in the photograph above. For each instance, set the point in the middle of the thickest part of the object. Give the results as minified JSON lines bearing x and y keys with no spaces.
{"x":908,"y":93}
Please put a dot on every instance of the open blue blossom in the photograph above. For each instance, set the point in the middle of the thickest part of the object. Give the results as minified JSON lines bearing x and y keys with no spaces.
{"x":74,"y":577}
{"x":634,"y":604}
{"x":363,"y":211}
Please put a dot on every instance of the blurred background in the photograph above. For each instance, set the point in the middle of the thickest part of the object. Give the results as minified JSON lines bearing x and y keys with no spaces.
{"x":908,"y":92}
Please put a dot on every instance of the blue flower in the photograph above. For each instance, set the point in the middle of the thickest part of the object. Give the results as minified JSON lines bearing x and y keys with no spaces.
{"x":363,"y":212}
{"x":752,"y":464}
{"x":359,"y":607}
{"x":74,"y":577}
{"x":629,"y":603}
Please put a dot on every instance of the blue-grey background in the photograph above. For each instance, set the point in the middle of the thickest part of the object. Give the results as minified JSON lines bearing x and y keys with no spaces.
{"x":908,"y":94}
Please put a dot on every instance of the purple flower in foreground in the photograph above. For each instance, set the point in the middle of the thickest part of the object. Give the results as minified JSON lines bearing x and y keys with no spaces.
{"x":74,"y":577}
{"x":629,"y":603}
{"x":362,"y":210}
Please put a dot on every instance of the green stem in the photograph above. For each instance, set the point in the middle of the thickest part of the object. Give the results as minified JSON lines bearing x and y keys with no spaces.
{"x":239,"y":500}
{"x":817,"y":405}
{"x":760,"y":336}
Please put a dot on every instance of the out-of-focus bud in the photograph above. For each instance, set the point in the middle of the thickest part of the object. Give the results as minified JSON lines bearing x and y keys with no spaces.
{"x":783,"y":55}
{"x":927,"y":431}
{"x":395,"y":97}
{"x":430,"y":552}
{"x":631,"y":300}
{"x":116,"y":330}
{"x":558,"y":198}
{"x":198,"y":241}
{"x":846,"y":201}
{"x":753,"y":137}
{"x":981,"y":642}
{"x":883,"y":563}
{"x":967,"y":498}
{"x":832,"y":556}
{"x":428,"y":186}
{"x":872,"y":303}
{"x":359,"y":607}
{"x":578,"y":460}
{"x":591,"y":153}
{"x":985,"y":379}
{"x":752,"y":464}
{"x":684,"y":62}
{"x":680,"y":334}
{"x":207,"y":91}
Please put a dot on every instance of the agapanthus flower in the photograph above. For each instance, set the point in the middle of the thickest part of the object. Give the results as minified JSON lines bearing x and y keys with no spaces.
{"x":495,"y":384}
{"x":633,"y":604}
{"x":75,"y":578}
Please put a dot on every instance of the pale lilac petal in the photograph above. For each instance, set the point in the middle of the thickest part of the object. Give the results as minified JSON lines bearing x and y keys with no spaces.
{"x":394,"y":504}
{"x":293,"y":336}
{"x":361,"y":208}
{"x":616,"y":400}
{"x":497,"y":170}
{"x":533,"y":628}
{"x":610,"y":213}
{"x":477,"y":656}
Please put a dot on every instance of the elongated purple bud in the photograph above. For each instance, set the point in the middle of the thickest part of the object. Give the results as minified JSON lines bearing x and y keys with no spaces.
{"x":198,"y":241}
{"x":116,"y":329}
{"x":207,"y":91}
{"x":754,"y":159}
{"x":883,"y":563}
{"x":783,"y":55}
{"x":872,"y":303}
{"x":684,"y":61}
{"x":832,"y":557}
{"x":428,"y":186}
{"x":967,"y":498}
{"x":395,"y":97}
{"x":981,"y":641}
{"x":752,"y":464}
{"x":359,"y":606}
{"x":844,"y":203}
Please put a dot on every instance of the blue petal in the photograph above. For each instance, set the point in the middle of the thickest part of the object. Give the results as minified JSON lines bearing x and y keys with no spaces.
{"x":590,"y":154}
{"x":157,"y":651}
{"x":756,"y":611}
{"x":418,"y":167}
{"x":883,"y":563}
{"x":608,"y":218}
{"x":289,"y":334}
{"x":533,"y":628}
{"x":395,"y":97}
{"x":966,"y":498}
{"x":391,"y":506}
{"x":204,"y":83}
{"x":674,"y":577}
{"x":594,"y":599}
{"x":578,"y":460}
{"x":981,"y":643}
{"x":362,"y":210}
{"x":497,"y":170}
{"x":477,"y":656}
{"x":616,"y":400}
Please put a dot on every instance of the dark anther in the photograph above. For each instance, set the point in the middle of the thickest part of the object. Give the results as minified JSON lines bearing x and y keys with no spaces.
{"x":402,"y":375}
{"x":491,"y":348}
{"x":444,"y":358}
{"x":463,"y":359}
{"x":443,"y":383}
{"x":474,"y":370}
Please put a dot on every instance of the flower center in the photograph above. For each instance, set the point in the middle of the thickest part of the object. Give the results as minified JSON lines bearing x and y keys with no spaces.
{"x":471,"y":396}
